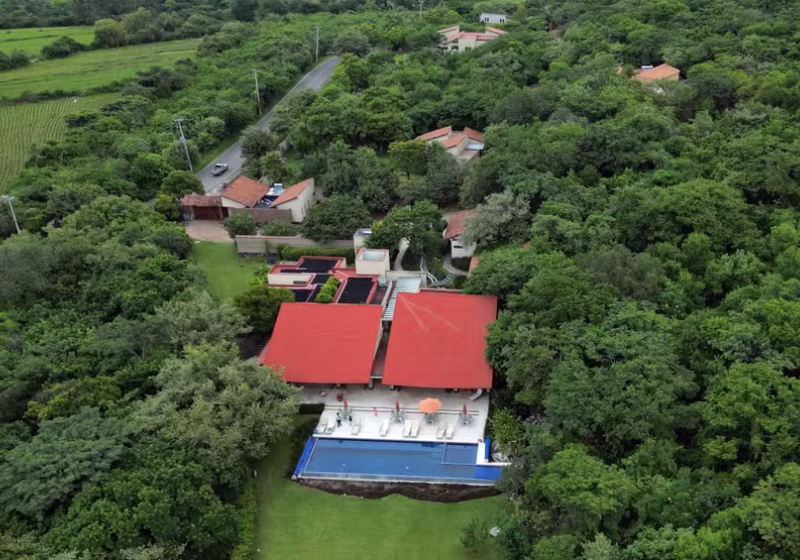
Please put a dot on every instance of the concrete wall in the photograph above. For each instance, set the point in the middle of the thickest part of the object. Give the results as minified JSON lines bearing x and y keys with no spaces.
{"x":257,"y":244}
{"x":299,"y":206}
{"x":395,"y":275}
{"x":373,"y":267}
{"x":263,"y":215}
{"x":459,"y":250}
{"x":228,"y":203}
{"x":300,"y":279}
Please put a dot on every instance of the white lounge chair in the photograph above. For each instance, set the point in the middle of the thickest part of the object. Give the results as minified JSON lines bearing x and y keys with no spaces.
{"x":407,"y":428}
{"x":356,"y":427}
{"x":331,"y":425}
{"x":448,"y":434}
{"x":414,"y":428}
{"x":440,"y":432}
{"x":384,"y":426}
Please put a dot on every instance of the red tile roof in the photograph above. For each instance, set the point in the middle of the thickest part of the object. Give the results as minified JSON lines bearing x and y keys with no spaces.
{"x":457,"y":224}
{"x":495,"y":30}
{"x":245,"y":191}
{"x":438,"y":341}
{"x":439,"y":132}
{"x":454,"y":140}
{"x":658,"y":73}
{"x":476,"y":135}
{"x":198,"y":200}
{"x":451,"y":28}
{"x":324,"y":343}
{"x":290,"y":193}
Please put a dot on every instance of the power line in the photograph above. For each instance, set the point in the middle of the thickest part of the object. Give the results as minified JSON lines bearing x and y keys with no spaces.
{"x":183,"y":141}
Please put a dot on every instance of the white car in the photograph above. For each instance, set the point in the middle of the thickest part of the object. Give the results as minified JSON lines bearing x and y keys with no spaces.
{"x":219,"y":169}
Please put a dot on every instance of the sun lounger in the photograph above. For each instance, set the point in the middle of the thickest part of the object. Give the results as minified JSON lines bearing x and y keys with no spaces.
{"x":448,"y":434}
{"x":414,"y":428}
{"x":407,"y":428}
{"x":331,"y":425}
{"x":356,"y":427}
{"x":384,"y":426}
{"x":440,"y":432}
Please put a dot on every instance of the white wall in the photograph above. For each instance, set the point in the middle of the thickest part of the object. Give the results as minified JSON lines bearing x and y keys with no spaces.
{"x":228,"y":203}
{"x":377,"y":268}
{"x":493,"y":18}
{"x":299,"y":206}
{"x":288,"y":279}
{"x":458,"y":250}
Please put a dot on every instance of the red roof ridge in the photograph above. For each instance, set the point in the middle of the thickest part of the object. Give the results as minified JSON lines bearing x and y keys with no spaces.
{"x":500,"y":31}
{"x":454,"y":140}
{"x":245,"y":190}
{"x":195,"y":199}
{"x":473,"y":134}
{"x":457,"y":224}
{"x":445,"y":131}
{"x":290,"y":193}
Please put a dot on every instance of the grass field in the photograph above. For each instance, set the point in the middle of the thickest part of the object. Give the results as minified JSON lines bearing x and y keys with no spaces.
{"x":83,"y":71}
{"x":299,"y":522}
{"x":30,"y":41}
{"x":23,"y":125}
{"x":228,"y":275}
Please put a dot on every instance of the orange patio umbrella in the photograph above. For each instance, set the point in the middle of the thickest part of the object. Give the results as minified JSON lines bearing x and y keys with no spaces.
{"x":430,"y":406}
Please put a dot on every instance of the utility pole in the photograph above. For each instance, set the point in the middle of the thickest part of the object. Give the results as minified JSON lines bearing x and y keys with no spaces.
{"x":420,"y":8}
{"x":183,"y":141}
{"x":8,"y":199}
{"x":316,"y":58}
{"x":258,"y":92}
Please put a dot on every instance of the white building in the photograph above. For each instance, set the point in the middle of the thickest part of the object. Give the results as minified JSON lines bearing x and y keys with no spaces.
{"x":297,"y":198}
{"x":456,"y":40}
{"x":463,"y":145}
{"x":493,"y":18}
{"x":456,"y":226}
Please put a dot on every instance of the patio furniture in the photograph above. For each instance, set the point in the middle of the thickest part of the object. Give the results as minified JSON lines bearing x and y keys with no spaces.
{"x":414,"y":428}
{"x":331,"y":425}
{"x":356,"y":427}
{"x":407,"y":428}
{"x":384,"y":426}
{"x":448,"y":434}
{"x":440,"y":432}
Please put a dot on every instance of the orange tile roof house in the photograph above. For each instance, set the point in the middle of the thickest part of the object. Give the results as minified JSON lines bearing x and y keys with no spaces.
{"x":464,"y":145}
{"x":243,"y":192}
{"x":456,"y":40}
{"x":298,"y":199}
{"x":661,"y":72}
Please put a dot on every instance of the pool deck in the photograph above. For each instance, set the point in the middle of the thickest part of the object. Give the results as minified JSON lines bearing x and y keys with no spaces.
{"x":364,"y":402}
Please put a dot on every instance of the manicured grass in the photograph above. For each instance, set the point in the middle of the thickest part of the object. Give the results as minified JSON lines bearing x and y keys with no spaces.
{"x":86,"y":70}
{"x":23,"y":125}
{"x":228,"y":275}
{"x":30,"y":41}
{"x":299,"y":522}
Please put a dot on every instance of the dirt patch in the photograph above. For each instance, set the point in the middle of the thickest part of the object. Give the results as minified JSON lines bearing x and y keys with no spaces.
{"x":446,"y":493}
{"x":207,"y":230}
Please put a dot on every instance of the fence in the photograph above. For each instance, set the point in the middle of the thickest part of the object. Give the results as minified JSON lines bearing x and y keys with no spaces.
{"x":268,"y":244}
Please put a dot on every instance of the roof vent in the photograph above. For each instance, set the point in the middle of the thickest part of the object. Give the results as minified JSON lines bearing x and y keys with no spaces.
{"x":648,"y":67}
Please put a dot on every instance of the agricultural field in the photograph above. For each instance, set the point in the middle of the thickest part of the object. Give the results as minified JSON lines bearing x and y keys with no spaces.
{"x":23,"y":125}
{"x":84,"y":71}
{"x":31,"y":41}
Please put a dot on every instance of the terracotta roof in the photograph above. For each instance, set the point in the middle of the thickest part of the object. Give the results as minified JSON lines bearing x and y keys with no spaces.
{"x":324,"y":343}
{"x":451,"y":28}
{"x":438,"y":340}
{"x":290,"y":193}
{"x":495,"y":30}
{"x":468,"y":154}
{"x":457,"y":224}
{"x":474,"y":134}
{"x":658,"y":73}
{"x":446,"y":131}
{"x":454,"y":140}
{"x":198,"y":200}
{"x":245,"y":191}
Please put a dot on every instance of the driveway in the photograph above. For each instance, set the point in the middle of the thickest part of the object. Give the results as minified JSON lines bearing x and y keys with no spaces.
{"x":207,"y":230}
{"x":315,"y":79}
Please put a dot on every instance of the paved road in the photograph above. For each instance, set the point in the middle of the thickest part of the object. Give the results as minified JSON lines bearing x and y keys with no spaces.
{"x":315,"y":79}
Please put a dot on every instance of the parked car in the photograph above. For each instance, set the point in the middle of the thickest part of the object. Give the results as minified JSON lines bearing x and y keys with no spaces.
{"x":219,"y":169}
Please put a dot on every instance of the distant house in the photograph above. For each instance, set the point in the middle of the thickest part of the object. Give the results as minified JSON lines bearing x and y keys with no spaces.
{"x":243,"y":192}
{"x":456,"y":40}
{"x":202,"y":207}
{"x":456,"y":226}
{"x":493,"y":18}
{"x":297,"y":198}
{"x":463,"y":145}
{"x":647,"y":74}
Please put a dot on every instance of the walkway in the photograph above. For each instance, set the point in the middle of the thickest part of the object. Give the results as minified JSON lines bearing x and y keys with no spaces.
{"x":207,"y":230}
{"x":315,"y":79}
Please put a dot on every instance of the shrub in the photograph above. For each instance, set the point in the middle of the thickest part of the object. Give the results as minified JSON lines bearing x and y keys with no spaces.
{"x":62,"y":48}
{"x":279,"y":228}
{"x":240,"y":224}
{"x":328,"y":290}
{"x":286,"y":253}
{"x":260,"y":305}
{"x":474,"y":534}
{"x":16,"y":59}
{"x":247,"y":506}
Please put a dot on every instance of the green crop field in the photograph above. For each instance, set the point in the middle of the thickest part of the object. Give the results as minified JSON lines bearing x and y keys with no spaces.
{"x":83,"y":71}
{"x":31,"y":41}
{"x":23,"y":125}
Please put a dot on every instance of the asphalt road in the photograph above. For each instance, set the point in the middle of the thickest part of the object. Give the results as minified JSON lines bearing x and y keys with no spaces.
{"x":315,"y":79}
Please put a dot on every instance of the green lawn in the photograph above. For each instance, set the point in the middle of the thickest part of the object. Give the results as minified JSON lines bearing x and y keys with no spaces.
{"x":298,"y":522}
{"x":30,"y":41}
{"x":228,"y":275}
{"x":83,"y":71}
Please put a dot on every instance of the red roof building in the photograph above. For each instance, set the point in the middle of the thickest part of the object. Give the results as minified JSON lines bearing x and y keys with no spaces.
{"x":244,"y":192}
{"x":317,"y":343}
{"x":457,"y":224}
{"x":293,"y":192}
{"x":464,"y":145}
{"x":438,"y":341}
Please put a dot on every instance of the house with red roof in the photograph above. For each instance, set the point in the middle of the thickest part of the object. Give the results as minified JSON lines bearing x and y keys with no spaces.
{"x":456,"y":40}
{"x":243,"y":192}
{"x":297,"y":198}
{"x":647,"y":74}
{"x":464,"y":145}
{"x":454,"y":232}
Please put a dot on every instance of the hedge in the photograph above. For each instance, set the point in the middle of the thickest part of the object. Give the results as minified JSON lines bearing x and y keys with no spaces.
{"x":248,"y":513}
{"x":287,"y":253}
{"x":328,"y":290}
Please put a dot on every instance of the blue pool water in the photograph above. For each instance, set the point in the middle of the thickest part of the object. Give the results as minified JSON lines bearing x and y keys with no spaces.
{"x":391,"y":460}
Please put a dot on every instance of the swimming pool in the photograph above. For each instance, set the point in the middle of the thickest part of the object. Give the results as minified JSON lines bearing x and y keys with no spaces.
{"x":411,"y":461}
